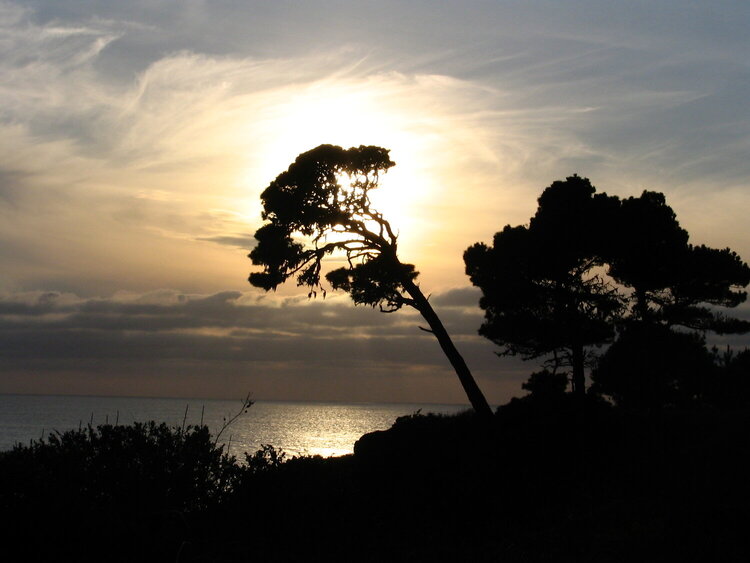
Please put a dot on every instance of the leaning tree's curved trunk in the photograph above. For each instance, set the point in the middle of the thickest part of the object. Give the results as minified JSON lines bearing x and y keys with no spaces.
{"x":475,"y":395}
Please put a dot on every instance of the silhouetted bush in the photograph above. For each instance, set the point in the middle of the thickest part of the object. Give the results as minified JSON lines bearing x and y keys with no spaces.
{"x":731,"y":386}
{"x":120,"y":488}
{"x":546,"y":385}
{"x":651,"y":366}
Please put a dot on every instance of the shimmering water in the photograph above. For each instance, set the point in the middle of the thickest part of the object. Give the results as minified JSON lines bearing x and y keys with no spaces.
{"x":297,"y":428}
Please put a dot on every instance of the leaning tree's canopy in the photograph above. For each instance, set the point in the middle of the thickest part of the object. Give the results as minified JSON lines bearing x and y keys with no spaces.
{"x":319,"y":206}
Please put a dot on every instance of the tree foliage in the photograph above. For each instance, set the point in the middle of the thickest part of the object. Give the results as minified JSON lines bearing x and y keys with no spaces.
{"x":673,"y":282}
{"x":320,"y":207}
{"x":543,"y":289}
{"x":590,"y":265}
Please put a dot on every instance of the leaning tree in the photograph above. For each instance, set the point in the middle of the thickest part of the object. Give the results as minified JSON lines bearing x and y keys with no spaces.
{"x":321,"y":206}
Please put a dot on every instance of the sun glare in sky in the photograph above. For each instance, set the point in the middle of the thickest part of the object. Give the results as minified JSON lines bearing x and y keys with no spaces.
{"x":351,"y":114}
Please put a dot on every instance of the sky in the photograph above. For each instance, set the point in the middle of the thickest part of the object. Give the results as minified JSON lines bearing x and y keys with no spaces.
{"x":136,"y":138}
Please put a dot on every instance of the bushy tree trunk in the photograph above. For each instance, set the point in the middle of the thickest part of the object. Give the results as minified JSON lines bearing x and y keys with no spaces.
{"x":579,"y":378}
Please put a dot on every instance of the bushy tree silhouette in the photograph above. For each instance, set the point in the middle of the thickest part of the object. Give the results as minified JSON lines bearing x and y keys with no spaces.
{"x":673,"y":282}
{"x":543,"y":289}
{"x":321,"y":206}
{"x":589,"y":265}
{"x":645,"y":243}
{"x":676,"y":288}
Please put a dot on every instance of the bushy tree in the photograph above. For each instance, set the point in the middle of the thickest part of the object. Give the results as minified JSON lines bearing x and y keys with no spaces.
{"x":672,"y":281}
{"x":675,"y":291}
{"x":591,"y":265}
{"x":543,"y":288}
{"x":321,"y":207}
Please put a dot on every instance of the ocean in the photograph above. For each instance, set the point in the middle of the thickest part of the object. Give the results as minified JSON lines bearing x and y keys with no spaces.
{"x":297,"y":428}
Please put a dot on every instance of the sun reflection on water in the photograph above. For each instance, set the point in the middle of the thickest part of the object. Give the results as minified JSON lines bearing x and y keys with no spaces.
{"x":297,"y":428}
{"x":325,"y":429}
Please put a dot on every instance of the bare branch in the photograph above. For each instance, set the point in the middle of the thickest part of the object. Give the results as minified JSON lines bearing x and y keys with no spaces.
{"x":246,"y":404}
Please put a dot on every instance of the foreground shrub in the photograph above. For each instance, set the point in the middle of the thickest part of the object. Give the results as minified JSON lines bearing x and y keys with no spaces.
{"x":140,"y":465}
{"x":127,"y":486}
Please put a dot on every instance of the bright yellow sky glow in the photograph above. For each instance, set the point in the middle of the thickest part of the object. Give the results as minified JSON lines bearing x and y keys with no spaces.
{"x":352,"y":114}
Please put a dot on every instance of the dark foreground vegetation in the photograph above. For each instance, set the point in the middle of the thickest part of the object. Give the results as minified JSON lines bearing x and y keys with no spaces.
{"x":547,"y":480}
